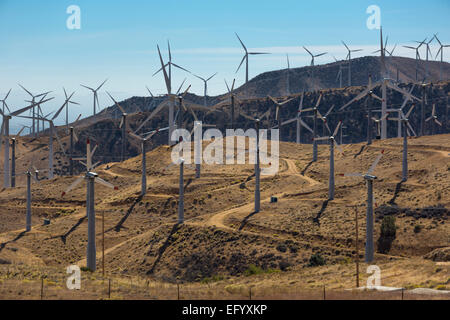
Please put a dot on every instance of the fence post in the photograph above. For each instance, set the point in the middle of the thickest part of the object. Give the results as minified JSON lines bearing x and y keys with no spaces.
{"x":42,"y":288}
{"x":402,"y":293}
{"x":109,"y":288}
{"x":324,"y":296}
{"x":178,"y":291}
{"x":250,"y":293}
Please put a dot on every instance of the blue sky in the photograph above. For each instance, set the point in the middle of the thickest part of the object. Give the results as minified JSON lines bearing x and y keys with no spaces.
{"x":117,"y":40}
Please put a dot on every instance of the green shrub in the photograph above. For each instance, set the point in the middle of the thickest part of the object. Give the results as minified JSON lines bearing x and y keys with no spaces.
{"x":316,"y":260}
{"x":417,"y":228}
{"x":387,"y":234}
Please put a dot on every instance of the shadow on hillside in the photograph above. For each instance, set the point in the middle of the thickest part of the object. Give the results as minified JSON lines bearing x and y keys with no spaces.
{"x":119,"y":225}
{"x":360,"y":151}
{"x":244,"y":222}
{"x":20,"y":235}
{"x":319,"y":214}
{"x":164,"y":247}
{"x":74,"y":227}
{"x":398,"y":188}
{"x":306,"y":168}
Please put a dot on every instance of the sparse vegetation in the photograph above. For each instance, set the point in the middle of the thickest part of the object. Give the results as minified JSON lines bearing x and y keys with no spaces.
{"x":316,"y":260}
{"x":388,"y":231}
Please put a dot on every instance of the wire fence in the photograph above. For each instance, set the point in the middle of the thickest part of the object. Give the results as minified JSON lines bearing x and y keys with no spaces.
{"x":51,"y":288}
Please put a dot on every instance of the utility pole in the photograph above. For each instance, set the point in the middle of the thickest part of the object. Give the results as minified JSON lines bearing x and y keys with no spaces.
{"x":28,"y":214}
{"x":356,"y":247}
{"x":103,"y":242}
{"x":13,"y":162}
{"x":181,"y":194}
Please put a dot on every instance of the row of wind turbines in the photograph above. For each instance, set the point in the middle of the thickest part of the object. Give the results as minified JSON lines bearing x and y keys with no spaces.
{"x":176,"y":101}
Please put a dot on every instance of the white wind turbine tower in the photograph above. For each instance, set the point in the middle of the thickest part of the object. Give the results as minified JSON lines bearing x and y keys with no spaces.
{"x":52,"y":134}
{"x":434,"y":118}
{"x":385,"y":83}
{"x":4,"y":135}
{"x":332,"y":141}
{"x":325,"y":121}
{"x":143,"y":141}
{"x":4,"y":104}
{"x":440,"y":51}
{"x":349,"y":56}
{"x":312,"y":65}
{"x":122,"y":126}
{"x":317,"y":114}
{"x":277,"y":111}
{"x":246,"y":58}
{"x":34,"y":113}
{"x":416,"y":49}
{"x":68,"y":102}
{"x":206,"y":86}
{"x":339,"y":74}
{"x":406,"y":130}
{"x":94,"y":91}
{"x":369,"y":178}
{"x":168,"y":81}
{"x":399,"y":111}
{"x":288,"y":91}
{"x":299,"y":121}
{"x":170,"y":101}
{"x":91,"y":177}
{"x":378,"y":123}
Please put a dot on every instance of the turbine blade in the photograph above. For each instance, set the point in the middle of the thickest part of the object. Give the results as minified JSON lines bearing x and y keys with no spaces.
{"x":73,"y":185}
{"x":103,"y":182}
{"x":375,"y":163}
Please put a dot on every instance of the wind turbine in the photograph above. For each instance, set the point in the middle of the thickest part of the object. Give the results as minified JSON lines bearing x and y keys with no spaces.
{"x":170,"y":101}
{"x":277,"y":112}
{"x":332,"y":141}
{"x":143,"y":141}
{"x":206,"y":86}
{"x":123,"y":125}
{"x":299,"y":121}
{"x":246,"y":58}
{"x":349,"y":56}
{"x":441,"y":51}
{"x":316,"y":111}
{"x":288,"y":91}
{"x":434,"y":118}
{"x":369,"y":178}
{"x":312,"y":65}
{"x":385,"y":83}
{"x":94,"y":91}
{"x":339,"y":74}
{"x":91,"y":178}
{"x":406,"y":128}
{"x":67,"y":102}
{"x":4,"y":135}
{"x":33,"y":99}
{"x":52,"y":134}
{"x":416,"y":49}
{"x":325,"y":121}
{"x":378,"y":123}
{"x":169,"y":64}
{"x":4,"y":104}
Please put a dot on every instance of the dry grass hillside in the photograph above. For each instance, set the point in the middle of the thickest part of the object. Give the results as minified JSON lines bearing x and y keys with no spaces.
{"x":222,"y":238}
